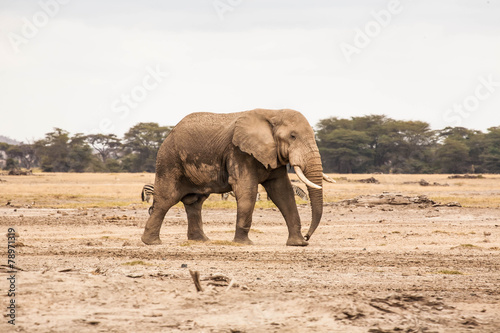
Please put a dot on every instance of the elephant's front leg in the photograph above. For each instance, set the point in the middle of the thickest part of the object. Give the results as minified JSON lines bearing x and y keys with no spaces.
{"x":281,"y":193}
{"x":245,"y":193}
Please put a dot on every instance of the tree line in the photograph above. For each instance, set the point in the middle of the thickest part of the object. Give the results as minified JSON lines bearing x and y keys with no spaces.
{"x":61,"y":152}
{"x":377,"y":143}
{"x":367,"y":144}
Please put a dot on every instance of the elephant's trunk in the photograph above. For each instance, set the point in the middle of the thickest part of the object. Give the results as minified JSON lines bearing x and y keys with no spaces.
{"x":314,"y":173}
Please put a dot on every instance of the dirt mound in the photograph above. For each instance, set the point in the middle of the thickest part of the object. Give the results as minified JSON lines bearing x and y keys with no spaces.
{"x":394,"y":199}
{"x":370,"y":180}
{"x":466,"y":176}
{"x":18,"y":172}
{"x":423,"y":182}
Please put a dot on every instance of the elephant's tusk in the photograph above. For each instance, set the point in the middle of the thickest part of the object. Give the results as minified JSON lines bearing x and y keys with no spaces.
{"x":304,"y":179}
{"x":328,"y":179}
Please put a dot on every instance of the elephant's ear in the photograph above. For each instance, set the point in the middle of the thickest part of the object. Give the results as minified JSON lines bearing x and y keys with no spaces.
{"x":253,"y":135}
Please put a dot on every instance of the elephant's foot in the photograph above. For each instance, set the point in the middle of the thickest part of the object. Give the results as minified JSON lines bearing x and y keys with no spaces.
{"x":198,"y":237}
{"x":151,"y":240}
{"x":243,"y":240}
{"x":241,"y":236}
{"x":296,"y":241}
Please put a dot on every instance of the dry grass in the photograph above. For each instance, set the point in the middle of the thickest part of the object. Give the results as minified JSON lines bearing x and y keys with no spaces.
{"x":190,"y":243}
{"x":484,"y":192}
{"x":450,"y":272}
{"x":101,"y":190}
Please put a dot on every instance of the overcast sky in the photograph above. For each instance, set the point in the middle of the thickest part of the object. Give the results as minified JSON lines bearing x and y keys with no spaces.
{"x":103,"y":66}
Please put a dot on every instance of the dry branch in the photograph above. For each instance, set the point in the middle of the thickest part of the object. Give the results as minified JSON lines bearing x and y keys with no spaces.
{"x":196,"y":279}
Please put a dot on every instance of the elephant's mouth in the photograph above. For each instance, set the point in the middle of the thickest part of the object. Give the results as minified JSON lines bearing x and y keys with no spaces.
{"x":303,"y":178}
{"x":283,"y":160}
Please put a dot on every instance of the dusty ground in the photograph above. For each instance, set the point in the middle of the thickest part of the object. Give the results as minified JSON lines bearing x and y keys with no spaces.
{"x":376,"y":268}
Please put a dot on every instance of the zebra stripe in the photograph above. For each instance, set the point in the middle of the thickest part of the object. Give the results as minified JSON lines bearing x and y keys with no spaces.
{"x":300,"y":192}
{"x":147,"y":192}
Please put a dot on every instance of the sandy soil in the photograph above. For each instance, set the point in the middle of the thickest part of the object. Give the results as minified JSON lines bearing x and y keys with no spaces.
{"x":367,"y":269}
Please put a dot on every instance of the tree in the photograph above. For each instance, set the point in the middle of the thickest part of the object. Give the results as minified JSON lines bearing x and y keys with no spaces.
{"x":25,"y":154}
{"x":106,"y":145}
{"x":411,"y":145}
{"x":53,"y":151}
{"x":60,"y":153}
{"x":491,"y":153}
{"x":142,"y":142}
{"x":375,"y":143}
{"x":453,"y":156}
{"x":475,"y":143}
{"x":80,"y":153}
{"x":343,"y":150}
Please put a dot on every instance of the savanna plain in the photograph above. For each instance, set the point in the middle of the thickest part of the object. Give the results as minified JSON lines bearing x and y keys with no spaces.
{"x":393,"y":256}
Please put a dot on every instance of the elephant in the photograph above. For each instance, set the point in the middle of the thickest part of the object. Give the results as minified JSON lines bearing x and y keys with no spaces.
{"x":220,"y":152}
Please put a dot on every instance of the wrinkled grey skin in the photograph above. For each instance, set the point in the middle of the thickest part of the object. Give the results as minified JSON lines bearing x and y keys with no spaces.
{"x":216,"y":153}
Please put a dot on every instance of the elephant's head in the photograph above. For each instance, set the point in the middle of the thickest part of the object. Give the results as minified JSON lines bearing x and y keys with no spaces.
{"x":278,"y":137}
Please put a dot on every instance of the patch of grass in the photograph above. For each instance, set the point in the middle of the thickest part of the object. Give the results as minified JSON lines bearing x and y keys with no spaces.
{"x":468,"y":200}
{"x":214,"y":242}
{"x":217,"y":204}
{"x":257,"y":231}
{"x":466,"y":246}
{"x":396,"y":232}
{"x":191,"y":243}
{"x":137,"y":262}
{"x":496,"y":248}
{"x":440,"y":232}
{"x":450,"y":272}
{"x":223,"y":242}
{"x":86,"y":204}
{"x":112,"y":237}
{"x":264,"y":204}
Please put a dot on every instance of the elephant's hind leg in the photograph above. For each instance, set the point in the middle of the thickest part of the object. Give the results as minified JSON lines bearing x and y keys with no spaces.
{"x":151,"y":235}
{"x":193,"y":204}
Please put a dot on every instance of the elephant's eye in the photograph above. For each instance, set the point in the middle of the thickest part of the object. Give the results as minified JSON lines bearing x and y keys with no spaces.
{"x":293,"y":136}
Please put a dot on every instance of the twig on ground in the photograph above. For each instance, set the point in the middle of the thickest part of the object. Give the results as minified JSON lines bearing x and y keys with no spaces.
{"x":196,"y":279}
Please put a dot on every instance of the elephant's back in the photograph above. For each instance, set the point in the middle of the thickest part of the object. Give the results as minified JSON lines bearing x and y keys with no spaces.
{"x":201,"y":134}
{"x":207,"y":120}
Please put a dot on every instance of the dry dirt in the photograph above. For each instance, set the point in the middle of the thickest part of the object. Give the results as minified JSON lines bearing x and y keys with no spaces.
{"x":370,"y":266}
{"x":367,"y":269}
